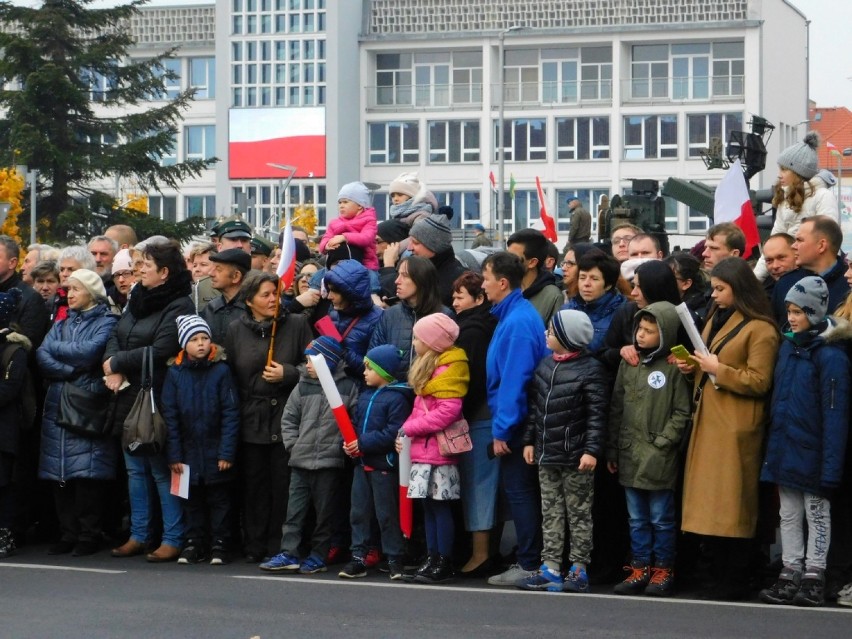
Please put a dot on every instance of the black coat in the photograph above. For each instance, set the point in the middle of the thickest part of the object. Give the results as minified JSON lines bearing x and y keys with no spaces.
{"x":569,"y":407}
{"x":11,"y":384}
{"x":476,"y":327}
{"x":31,"y":319}
{"x":449,"y":269}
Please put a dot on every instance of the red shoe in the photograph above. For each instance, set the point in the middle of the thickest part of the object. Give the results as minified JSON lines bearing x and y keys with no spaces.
{"x":335,"y":555}
{"x":373,"y":558}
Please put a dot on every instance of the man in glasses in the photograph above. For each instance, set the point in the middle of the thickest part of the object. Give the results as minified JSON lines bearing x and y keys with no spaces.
{"x":620,"y":238}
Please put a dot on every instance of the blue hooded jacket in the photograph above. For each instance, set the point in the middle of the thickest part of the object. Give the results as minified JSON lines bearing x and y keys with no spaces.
{"x":380,"y":414}
{"x":600,"y":311}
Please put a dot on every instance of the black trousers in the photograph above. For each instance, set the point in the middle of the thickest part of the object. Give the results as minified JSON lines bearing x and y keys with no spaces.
{"x":79,"y":507}
{"x":266,"y":484}
{"x":208,"y":514}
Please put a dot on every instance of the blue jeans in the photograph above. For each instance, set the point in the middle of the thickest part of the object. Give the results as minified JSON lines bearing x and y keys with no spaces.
{"x":376,"y":493}
{"x":652,"y":525}
{"x":480,"y":478}
{"x":520,"y":484}
{"x":139,"y":470}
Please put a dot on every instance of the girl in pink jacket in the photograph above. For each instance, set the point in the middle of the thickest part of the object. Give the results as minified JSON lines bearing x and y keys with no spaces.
{"x":356,"y":226}
{"x":439,"y":377}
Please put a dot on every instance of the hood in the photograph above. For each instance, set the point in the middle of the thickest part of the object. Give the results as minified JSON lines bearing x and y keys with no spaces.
{"x":14,"y":337}
{"x":352,"y":279}
{"x":544,"y":278}
{"x":668,"y":322}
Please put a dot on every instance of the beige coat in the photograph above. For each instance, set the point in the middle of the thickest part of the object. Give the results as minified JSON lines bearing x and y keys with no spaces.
{"x":724,"y":456}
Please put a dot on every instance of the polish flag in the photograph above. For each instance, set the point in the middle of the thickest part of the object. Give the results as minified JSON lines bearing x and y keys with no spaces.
{"x":287,"y":266}
{"x":258,"y":137}
{"x":329,"y":388}
{"x":832,"y":149}
{"x":492,"y":180}
{"x":732,"y":204}
{"x":406,"y":504}
{"x":549,"y":224}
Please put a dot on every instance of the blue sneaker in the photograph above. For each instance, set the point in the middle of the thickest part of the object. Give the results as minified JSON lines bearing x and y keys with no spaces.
{"x":282,"y":562}
{"x":576,"y":581}
{"x":543,"y":579}
{"x":312,"y":565}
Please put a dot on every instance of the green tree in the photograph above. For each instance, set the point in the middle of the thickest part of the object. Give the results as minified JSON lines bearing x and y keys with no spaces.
{"x":81,"y":110}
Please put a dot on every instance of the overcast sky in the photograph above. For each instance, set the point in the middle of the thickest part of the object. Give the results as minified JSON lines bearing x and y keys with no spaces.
{"x":831,"y":51}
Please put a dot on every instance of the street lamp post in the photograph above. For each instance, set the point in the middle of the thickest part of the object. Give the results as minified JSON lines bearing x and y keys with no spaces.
{"x":282,"y":186}
{"x":31,"y":178}
{"x":501,"y":159}
{"x":846,"y":153}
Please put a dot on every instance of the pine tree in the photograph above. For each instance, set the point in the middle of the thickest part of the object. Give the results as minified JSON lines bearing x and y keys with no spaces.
{"x":81,"y":109}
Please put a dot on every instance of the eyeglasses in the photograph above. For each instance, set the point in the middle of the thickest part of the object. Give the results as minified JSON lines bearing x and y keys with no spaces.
{"x":120,"y":274}
{"x":568,"y":263}
{"x":622,"y":239}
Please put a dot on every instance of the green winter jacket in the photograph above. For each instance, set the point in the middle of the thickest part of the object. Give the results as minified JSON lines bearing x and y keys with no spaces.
{"x":651,"y":407}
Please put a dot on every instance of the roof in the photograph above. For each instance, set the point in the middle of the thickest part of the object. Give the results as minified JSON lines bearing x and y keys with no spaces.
{"x":834,"y":124}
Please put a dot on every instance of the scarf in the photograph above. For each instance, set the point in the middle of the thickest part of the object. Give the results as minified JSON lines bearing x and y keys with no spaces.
{"x":147,"y":301}
{"x":453,"y":380}
{"x":566,"y":357}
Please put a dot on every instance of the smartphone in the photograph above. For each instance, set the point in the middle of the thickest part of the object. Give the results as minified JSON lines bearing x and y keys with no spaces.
{"x":682,"y":354}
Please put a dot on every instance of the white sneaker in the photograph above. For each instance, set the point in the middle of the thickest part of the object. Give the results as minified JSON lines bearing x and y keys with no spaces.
{"x":511,"y":577}
{"x":844,"y":595}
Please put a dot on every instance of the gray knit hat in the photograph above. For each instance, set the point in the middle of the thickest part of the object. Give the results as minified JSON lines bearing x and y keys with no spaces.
{"x":801,"y":158}
{"x":189,"y":326}
{"x":573,"y":329}
{"x":355,"y":192}
{"x":811,"y":295}
{"x":433,"y":232}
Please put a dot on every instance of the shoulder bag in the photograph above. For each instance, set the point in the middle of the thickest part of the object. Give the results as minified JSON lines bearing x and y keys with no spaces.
{"x":144,"y":429}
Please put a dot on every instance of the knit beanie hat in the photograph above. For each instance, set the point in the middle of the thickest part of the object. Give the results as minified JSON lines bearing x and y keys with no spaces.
{"x":386,"y":360}
{"x":329,"y":348}
{"x":573,"y":329}
{"x":122,"y":261}
{"x":8,"y":305}
{"x":189,"y":326}
{"x":437,"y":331}
{"x":801,"y":158}
{"x":433,"y":232}
{"x":408,"y":184}
{"x":91,"y":281}
{"x":355,"y":192}
{"x":392,"y":231}
{"x":811,"y":295}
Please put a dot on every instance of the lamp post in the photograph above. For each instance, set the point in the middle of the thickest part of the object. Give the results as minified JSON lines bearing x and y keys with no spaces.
{"x":282,"y":187}
{"x":501,"y":159}
{"x":31,"y":178}
{"x":846,"y":153}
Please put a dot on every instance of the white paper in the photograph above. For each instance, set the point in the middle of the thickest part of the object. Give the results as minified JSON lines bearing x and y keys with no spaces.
{"x":180,"y":483}
{"x":692,"y":332}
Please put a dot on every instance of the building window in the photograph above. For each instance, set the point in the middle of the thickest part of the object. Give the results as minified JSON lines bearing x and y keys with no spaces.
{"x":582,"y":138}
{"x":524,"y":209}
{"x":203,"y":206}
{"x":590,"y":198}
{"x":728,"y":68}
{"x":650,"y":137}
{"x":202,"y":77}
{"x":454,"y":141}
{"x":650,"y":71}
{"x":169,"y":157}
{"x":393,"y":78}
{"x":697,"y":222}
{"x":467,"y":77}
{"x":701,"y":128}
{"x":466,"y":206}
{"x":432,"y":79}
{"x":520,"y":76}
{"x":200,"y":142}
{"x":523,"y":140}
{"x":163,"y":207}
{"x":394,"y":142}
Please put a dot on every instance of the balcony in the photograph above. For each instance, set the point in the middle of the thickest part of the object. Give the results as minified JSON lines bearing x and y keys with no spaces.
{"x":683,"y":89}
{"x":425,"y":96}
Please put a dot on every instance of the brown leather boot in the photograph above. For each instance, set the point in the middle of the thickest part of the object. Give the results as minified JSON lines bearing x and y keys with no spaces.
{"x":163,"y":554}
{"x":130,"y":548}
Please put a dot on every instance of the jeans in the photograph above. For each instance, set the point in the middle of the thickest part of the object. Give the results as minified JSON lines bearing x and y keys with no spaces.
{"x":796,"y":506}
{"x":209,"y":504}
{"x":519,"y":481}
{"x":139,"y":469}
{"x":480,"y":478}
{"x":652,"y":525}
{"x":317,"y":488}
{"x":376,"y":492}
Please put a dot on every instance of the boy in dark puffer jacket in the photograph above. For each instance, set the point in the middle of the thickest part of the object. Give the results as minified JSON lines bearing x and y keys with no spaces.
{"x":382,"y":409}
{"x":565,"y":435}
{"x":201,"y":411}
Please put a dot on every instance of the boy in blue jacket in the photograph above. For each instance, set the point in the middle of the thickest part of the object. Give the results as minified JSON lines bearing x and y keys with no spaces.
{"x":807,"y":439}
{"x":382,"y":409}
{"x":201,"y":409}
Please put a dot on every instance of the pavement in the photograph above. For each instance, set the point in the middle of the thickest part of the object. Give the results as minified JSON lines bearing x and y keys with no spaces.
{"x":67,"y":597}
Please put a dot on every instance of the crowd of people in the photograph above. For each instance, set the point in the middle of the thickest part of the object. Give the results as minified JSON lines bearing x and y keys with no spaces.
{"x":624,"y":447}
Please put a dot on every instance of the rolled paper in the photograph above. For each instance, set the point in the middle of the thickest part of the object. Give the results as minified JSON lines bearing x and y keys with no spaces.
{"x":406,"y":504}
{"x":341,"y":415}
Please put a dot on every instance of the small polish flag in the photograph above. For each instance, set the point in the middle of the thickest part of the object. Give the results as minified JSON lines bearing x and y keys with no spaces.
{"x":733,"y":204}
{"x":493,"y":181}
{"x":549,"y":223}
{"x":287,"y":266}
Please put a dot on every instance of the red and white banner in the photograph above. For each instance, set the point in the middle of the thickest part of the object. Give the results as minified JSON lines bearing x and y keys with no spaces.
{"x":733,"y":204}
{"x":341,"y":415}
{"x":292,"y":135}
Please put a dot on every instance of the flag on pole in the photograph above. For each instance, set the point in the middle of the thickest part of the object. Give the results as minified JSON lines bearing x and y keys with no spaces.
{"x":287,"y":266}
{"x":492,"y":180}
{"x":549,"y":223}
{"x":733,"y":204}
{"x":511,"y":186}
{"x":832,"y":150}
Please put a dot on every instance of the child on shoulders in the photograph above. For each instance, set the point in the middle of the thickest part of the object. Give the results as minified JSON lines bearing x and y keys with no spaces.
{"x":355,"y":228}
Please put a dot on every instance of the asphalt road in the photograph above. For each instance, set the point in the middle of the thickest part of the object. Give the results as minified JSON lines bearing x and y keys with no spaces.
{"x":99,"y":596}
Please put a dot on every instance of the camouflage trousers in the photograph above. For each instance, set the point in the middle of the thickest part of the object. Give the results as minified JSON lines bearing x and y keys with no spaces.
{"x":566,"y":495}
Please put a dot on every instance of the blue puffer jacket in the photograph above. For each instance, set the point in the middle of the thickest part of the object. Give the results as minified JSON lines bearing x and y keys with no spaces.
{"x":809,"y":413}
{"x":395,"y":327}
{"x":600,"y":311}
{"x":353,"y":281}
{"x":202,"y":413}
{"x":380,"y":414}
{"x":72,"y":353}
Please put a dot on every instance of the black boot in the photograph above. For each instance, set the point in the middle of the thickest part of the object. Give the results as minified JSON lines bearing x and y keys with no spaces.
{"x":442,"y":572}
{"x":7,"y":543}
{"x":424,"y":572}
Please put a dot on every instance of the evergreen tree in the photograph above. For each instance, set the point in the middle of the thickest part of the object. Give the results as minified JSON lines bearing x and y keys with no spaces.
{"x":79,"y":108}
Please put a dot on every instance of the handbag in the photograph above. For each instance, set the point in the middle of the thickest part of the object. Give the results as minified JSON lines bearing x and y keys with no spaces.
{"x":144,"y":429}
{"x":455,"y":438}
{"x":81,"y":412}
